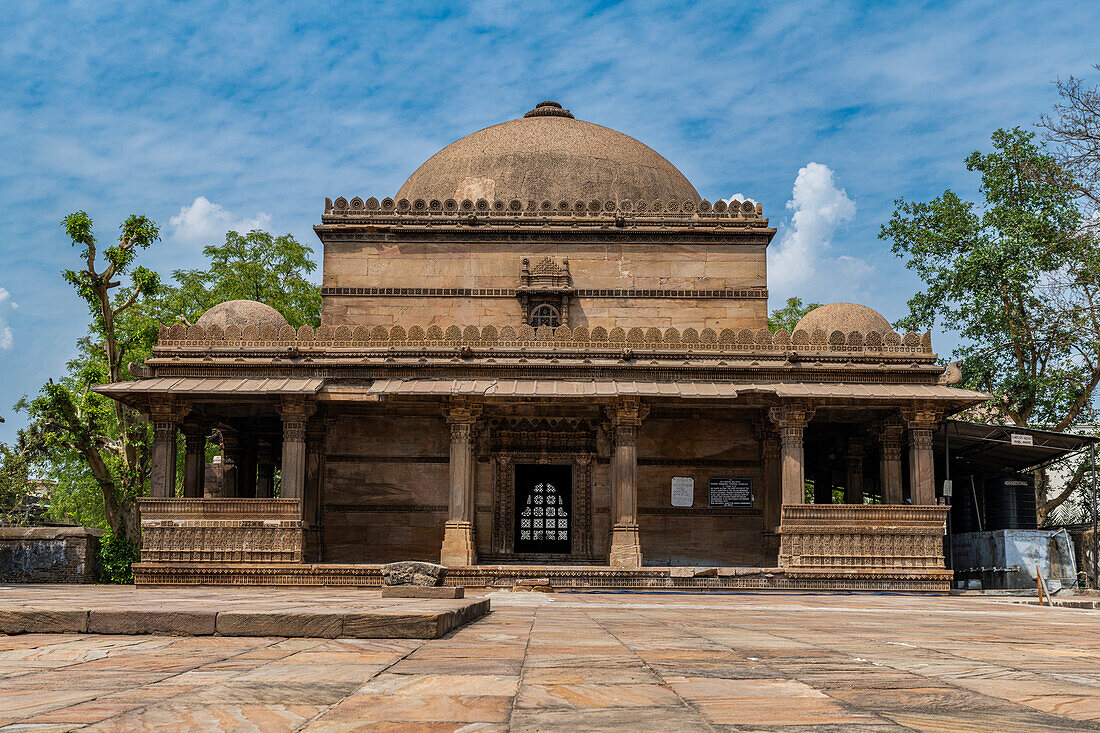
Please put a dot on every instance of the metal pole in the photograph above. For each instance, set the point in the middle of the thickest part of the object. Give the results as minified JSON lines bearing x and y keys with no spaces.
{"x":1095,"y":575}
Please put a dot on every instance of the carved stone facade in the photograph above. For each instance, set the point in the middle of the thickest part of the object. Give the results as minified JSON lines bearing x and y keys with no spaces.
{"x":499,"y":347}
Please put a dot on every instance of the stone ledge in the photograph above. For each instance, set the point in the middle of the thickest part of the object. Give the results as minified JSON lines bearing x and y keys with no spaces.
{"x":401,"y":622}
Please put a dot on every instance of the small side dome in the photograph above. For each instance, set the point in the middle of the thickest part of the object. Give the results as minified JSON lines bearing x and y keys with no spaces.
{"x":240,"y":313}
{"x":846,"y":317}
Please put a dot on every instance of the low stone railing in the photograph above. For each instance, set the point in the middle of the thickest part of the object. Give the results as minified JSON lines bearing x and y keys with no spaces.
{"x":221,"y":530}
{"x":305,"y":338}
{"x":868,"y":537}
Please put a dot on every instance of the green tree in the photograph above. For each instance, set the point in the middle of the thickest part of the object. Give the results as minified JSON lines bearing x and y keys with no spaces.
{"x":790,"y":314}
{"x":1017,"y":277}
{"x":18,"y":503}
{"x":110,"y":441}
{"x":252,"y":266}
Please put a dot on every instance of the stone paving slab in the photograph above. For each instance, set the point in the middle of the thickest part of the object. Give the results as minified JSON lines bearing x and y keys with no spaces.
{"x":584,"y":662}
{"x":324,"y":613}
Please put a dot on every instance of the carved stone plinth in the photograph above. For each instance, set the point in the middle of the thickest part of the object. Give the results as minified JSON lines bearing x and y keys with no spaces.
{"x":626,"y":549}
{"x":885,"y":541}
{"x":458,"y":544}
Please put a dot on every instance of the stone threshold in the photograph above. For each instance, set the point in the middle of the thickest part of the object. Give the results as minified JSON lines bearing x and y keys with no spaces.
{"x":429,"y":620}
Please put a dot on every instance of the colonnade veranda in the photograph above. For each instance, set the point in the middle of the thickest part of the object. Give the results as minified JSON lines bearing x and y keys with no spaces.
{"x":782,"y":455}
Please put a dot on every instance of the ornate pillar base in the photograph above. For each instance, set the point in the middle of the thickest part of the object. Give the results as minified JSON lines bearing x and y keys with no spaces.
{"x":458,"y":544}
{"x":626,"y":548}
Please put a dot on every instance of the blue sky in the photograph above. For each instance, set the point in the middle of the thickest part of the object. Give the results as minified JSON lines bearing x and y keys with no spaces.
{"x":207,"y":115}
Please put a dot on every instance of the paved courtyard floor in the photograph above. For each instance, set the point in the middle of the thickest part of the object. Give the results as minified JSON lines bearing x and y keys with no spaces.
{"x":580,"y":662}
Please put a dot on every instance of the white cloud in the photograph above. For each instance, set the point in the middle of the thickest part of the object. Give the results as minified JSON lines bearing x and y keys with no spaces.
{"x":739,"y":197}
{"x":6,"y":337}
{"x":801,"y":255}
{"x":204,"y":222}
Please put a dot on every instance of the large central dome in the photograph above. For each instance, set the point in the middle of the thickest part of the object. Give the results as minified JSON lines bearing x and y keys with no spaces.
{"x":548,"y":156}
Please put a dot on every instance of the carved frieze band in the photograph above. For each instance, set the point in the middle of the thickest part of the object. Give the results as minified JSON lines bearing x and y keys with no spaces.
{"x":744,"y":294}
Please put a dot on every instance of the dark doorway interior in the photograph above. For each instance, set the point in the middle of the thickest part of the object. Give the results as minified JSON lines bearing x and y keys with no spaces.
{"x":544,"y":504}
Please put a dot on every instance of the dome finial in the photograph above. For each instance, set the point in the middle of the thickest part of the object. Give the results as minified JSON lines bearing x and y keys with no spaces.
{"x":549,"y":109}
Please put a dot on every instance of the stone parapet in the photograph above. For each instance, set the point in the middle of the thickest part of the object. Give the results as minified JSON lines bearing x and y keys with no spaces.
{"x":327,"y":338}
{"x":836,"y":538}
{"x":222,"y":530}
{"x":470,"y":212}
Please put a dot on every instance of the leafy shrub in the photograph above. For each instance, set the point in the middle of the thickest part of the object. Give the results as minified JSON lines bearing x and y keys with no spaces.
{"x":116,"y":555}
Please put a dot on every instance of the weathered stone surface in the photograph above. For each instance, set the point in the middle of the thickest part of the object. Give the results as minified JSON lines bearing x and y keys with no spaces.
{"x":31,"y":621}
{"x":170,"y":622}
{"x":48,"y":554}
{"x":241,"y":623}
{"x":411,"y":572}
{"x":422,"y":591}
{"x":393,"y":625}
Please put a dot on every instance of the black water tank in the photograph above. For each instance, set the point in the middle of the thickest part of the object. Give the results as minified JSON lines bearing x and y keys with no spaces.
{"x":1009,"y":502}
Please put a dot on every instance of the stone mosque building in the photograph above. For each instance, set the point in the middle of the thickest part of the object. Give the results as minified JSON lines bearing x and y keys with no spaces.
{"x":546,"y":356}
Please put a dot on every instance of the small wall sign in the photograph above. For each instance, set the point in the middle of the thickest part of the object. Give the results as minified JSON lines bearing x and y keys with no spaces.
{"x":1018,"y":439}
{"x":683,"y":491}
{"x":726,"y":491}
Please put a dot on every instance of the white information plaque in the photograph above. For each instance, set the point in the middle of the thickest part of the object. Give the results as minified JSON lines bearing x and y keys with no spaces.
{"x":683,"y":491}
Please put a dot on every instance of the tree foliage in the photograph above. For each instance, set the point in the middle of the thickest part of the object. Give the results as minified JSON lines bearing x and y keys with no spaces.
{"x":790,"y":314}
{"x":1073,"y":129}
{"x":76,"y":425}
{"x":18,"y":500}
{"x":1018,"y":278}
{"x":252,"y":266}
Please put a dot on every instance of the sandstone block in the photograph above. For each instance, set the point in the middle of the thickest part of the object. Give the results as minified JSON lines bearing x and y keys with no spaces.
{"x":26,"y":621}
{"x":312,"y":625}
{"x":171,"y":623}
{"x":421,"y":591}
{"x":413,"y":573}
{"x":390,"y":625}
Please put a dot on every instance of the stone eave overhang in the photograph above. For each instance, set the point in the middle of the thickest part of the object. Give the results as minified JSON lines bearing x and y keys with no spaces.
{"x":553,"y":364}
{"x":605,"y":233}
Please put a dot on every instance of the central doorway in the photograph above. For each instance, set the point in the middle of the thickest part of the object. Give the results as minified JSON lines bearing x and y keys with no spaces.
{"x":544,"y":501}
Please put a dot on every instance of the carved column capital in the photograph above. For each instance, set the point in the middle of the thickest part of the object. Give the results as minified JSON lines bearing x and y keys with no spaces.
{"x":461,"y":412}
{"x":793,"y":415}
{"x":295,"y":412}
{"x":166,"y":417}
{"x":627,"y":411}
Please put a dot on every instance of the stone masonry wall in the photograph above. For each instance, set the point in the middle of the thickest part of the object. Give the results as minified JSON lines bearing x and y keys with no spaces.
{"x":638,"y":267}
{"x":48,"y":554}
{"x":699,"y":535}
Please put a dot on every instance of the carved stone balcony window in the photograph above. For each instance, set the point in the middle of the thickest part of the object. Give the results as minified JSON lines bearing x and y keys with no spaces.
{"x":545,"y":314}
{"x":544,"y":292}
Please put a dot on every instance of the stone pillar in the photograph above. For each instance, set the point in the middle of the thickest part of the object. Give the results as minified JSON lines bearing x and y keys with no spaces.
{"x":922,"y":480}
{"x":626,"y":416}
{"x":265,"y":472}
{"x":791,"y":420}
{"x":194,"y":462}
{"x":853,"y":483}
{"x":458,"y":533}
{"x":295,"y":412}
{"x":231,"y":461}
{"x":315,"y":467}
{"x":890,"y":460}
{"x":773,"y":481}
{"x":162,"y":470}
